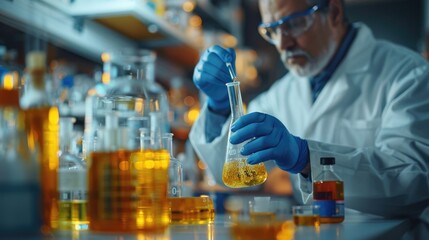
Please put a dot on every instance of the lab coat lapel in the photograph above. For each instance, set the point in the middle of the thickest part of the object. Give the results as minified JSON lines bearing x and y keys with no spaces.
{"x":334,"y":93}
{"x":342,"y":86}
{"x":300,"y":95}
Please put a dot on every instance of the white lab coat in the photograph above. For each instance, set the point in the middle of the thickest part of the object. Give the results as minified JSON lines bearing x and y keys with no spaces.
{"x":372,"y":116}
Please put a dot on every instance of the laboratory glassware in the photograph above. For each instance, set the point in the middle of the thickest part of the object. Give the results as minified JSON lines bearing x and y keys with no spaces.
{"x":237,"y":172}
{"x":259,"y":218}
{"x":306,"y":215}
{"x":72,"y":182}
{"x":42,"y":123}
{"x":131,"y":92}
{"x":175,"y":168}
{"x":128,"y":188}
{"x":328,"y":193}
{"x":192,"y":210}
{"x":20,"y":209}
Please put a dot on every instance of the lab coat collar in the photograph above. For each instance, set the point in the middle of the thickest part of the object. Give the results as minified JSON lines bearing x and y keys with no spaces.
{"x":360,"y":51}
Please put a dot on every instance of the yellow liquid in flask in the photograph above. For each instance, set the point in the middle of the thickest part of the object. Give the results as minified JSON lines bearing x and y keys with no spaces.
{"x":238,"y":173}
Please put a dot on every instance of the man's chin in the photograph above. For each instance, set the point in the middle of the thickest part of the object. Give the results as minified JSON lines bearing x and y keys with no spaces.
{"x":298,"y":71}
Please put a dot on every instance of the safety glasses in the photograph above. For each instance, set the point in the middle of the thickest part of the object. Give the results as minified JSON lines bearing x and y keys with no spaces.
{"x":291,"y":25}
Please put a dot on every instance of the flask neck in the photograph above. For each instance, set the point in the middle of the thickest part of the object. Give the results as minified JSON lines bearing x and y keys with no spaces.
{"x":235,"y":101}
{"x":36,"y":79}
{"x":140,"y":74}
{"x":66,"y":134}
{"x":137,"y":64}
{"x":36,"y":69}
{"x":35,"y":93}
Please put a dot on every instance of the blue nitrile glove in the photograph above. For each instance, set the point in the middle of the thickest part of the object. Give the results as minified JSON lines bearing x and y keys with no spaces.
{"x":211,"y":74}
{"x":270,"y":141}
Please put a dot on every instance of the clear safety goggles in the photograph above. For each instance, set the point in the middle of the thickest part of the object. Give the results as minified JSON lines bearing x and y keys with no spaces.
{"x":291,"y":25}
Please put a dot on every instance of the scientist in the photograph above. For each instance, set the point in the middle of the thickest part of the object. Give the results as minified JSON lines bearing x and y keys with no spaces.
{"x":347,"y":95}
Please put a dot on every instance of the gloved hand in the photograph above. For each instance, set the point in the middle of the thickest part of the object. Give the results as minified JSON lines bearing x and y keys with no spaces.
{"x":270,"y":141}
{"x":211,"y":74}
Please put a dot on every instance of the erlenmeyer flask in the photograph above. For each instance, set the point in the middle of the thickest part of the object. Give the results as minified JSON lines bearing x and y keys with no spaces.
{"x":237,"y":172}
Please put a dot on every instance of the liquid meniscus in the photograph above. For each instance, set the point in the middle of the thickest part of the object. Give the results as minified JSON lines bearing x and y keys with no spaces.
{"x":238,"y":173}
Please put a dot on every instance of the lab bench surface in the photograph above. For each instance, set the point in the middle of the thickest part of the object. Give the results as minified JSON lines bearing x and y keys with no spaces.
{"x":355,"y":226}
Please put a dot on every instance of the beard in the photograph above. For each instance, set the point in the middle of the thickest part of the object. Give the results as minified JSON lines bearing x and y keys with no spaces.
{"x":314,"y":65}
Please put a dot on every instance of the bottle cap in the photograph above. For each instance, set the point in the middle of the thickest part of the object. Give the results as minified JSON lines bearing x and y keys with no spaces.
{"x":327,"y":161}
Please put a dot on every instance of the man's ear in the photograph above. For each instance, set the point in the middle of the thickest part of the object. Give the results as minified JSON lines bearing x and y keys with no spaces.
{"x":336,"y":12}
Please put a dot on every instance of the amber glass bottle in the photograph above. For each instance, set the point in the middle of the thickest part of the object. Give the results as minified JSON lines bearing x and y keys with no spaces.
{"x":328,"y":193}
{"x":42,"y":123}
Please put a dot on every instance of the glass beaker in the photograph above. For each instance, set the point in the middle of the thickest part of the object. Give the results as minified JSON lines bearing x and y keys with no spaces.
{"x":237,"y":172}
{"x":192,"y":210}
{"x":128,"y":188}
{"x":260,"y":218}
{"x":175,"y":168}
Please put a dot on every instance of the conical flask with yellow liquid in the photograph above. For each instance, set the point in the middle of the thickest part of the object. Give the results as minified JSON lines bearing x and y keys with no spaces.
{"x":237,"y":173}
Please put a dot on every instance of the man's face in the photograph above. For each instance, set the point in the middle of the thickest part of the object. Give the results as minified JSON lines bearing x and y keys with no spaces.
{"x":308,"y":53}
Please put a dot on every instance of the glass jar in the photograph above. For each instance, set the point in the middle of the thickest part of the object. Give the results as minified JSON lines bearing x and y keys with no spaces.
{"x":132,"y":92}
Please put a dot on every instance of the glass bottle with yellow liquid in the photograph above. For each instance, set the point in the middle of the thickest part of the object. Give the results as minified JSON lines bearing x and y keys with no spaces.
{"x":72,"y":182}
{"x":42,"y":123}
{"x":237,"y":173}
{"x":127,"y":186}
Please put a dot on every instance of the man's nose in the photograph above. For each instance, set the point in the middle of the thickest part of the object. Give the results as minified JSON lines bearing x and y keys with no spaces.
{"x":286,"y":42}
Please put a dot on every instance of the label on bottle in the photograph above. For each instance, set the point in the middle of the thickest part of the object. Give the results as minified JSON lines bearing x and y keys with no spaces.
{"x":72,"y":184}
{"x":19,"y":208}
{"x":330,"y":208}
